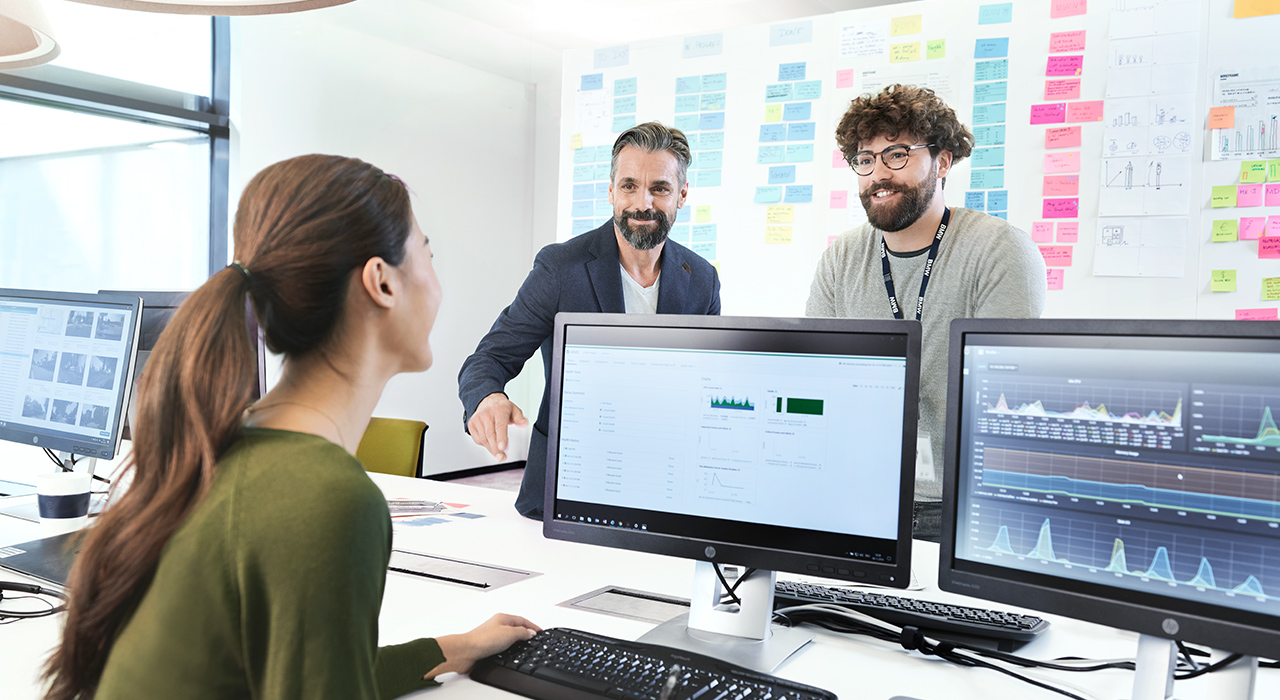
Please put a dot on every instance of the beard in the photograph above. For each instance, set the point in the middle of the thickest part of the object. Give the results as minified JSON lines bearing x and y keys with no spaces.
{"x":912,"y":204}
{"x":643,"y":239}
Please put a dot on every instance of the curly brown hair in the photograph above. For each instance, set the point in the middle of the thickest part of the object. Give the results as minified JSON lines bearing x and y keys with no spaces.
{"x":903,"y":109}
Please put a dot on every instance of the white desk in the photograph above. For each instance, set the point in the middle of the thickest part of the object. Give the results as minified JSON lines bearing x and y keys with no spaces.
{"x":852,"y":667}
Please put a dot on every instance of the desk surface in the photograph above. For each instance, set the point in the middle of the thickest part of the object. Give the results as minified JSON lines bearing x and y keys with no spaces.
{"x":852,"y":667}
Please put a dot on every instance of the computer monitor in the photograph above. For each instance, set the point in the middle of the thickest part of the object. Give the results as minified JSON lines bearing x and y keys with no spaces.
{"x":774,"y":443}
{"x":1121,"y":472}
{"x":66,"y":365}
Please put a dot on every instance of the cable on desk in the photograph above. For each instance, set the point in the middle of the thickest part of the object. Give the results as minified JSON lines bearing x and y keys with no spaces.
{"x":49,"y":453}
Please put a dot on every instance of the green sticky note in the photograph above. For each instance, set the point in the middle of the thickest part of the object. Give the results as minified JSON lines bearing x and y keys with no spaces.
{"x":1225,"y":230}
{"x":1223,"y":281}
{"x":1270,"y":288}
{"x":1273,"y":170}
{"x":1223,"y":196}
{"x":936,"y":48}
{"x":1253,"y":171}
{"x":772,"y":113}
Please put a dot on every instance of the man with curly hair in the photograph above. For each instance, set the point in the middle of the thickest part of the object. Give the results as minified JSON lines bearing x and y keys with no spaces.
{"x":901,"y":144}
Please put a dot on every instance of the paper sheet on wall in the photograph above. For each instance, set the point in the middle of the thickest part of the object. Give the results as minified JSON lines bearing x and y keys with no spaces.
{"x":1145,"y":185}
{"x":1140,"y":247}
{"x":1152,"y":65}
{"x":1140,"y":126}
{"x":591,"y":115}
{"x":864,"y":39}
{"x":938,"y":75}
{"x":1255,"y":95}
{"x":1130,"y":18}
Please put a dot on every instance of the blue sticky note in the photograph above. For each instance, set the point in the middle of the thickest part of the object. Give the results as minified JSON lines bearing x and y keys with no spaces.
{"x":975,"y":200}
{"x":582,"y":226}
{"x":684,"y":214}
{"x":706,"y":250}
{"x":770,"y":133}
{"x":688,"y":84}
{"x":990,"y":92}
{"x":791,"y":33}
{"x":782,"y":174}
{"x":687,"y":122}
{"x":995,"y":14}
{"x":987,"y":179}
{"x":602,"y":208}
{"x":612,"y":57}
{"x":991,"y":70}
{"x":583,"y":207}
{"x":584,"y":155}
{"x":680,"y":233}
{"x":624,"y":105}
{"x":771,"y":154}
{"x":602,"y":188}
{"x":998,"y":200}
{"x":989,"y":114}
{"x":809,"y":90}
{"x":583,"y":191}
{"x":708,"y":160}
{"x":594,"y":81}
{"x":711,"y":121}
{"x":687,"y":103}
{"x":711,"y":141}
{"x":622,"y":122}
{"x":693,"y":141}
{"x":989,"y":135}
{"x":790,"y":71}
{"x":712,"y":101}
{"x":703,"y":233}
{"x":715,"y":82}
{"x":601,"y":171}
{"x":781,"y":92}
{"x":1000,"y":215}
{"x":992,"y":157}
{"x":604,"y":154}
{"x":796,"y":111}
{"x":991,"y":48}
{"x":799,"y":193}
{"x":801,"y":131}
{"x":708,"y":178}
{"x":703,"y":45}
{"x":768,"y":195}
{"x":624,"y":86}
{"x":800,"y":153}
{"x":582,"y":173}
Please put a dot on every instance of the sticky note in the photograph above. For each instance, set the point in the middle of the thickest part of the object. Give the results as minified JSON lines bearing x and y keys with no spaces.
{"x":1253,"y":171}
{"x":702,"y":213}
{"x":780,"y":214}
{"x":768,"y":195}
{"x":770,"y":154}
{"x":1256,"y":314}
{"x":991,"y":70}
{"x":600,"y":171}
{"x":710,"y":121}
{"x":1000,"y":215}
{"x":901,"y":53}
{"x":1064,"y":65}
{"x":975,"y":200}
{"x":998,"y":200}
{"x":584,"y":155}
{"x":1222,"y":117}
{"x":1062,"y":137}
{"x":1062,"y":162}
{"x":1054,"y":278}
{"x":1084,"y":111}
{"x":1252,"y":227}
{"x":1223,"y":281}
{"x":624,"y":86}
{"x":584,"y":207}
{"x":1054,"y":113}
{"x":837,"y":160}
{"x":624,"y":105}
{"x":1223,"y":230}
{"x":770,"y":133}
{"x":995,"y":14}
{"x":991,"y":48}
{"x":796,"y":111}
{"x":1066,"y":208}
{"x":1056,"y":255}
{"x":986,"y":179}
{"x":603,"y":208}
{"x":773,"y":113}
{"x":582,"y":173}
{"x":991,"y":92}
{"x":622,"y":122}
{"x":798,"y":193}
{"x":791,"y":71}
{"x":791,"y":33}
{"x":911,"y":24}
{"x":1272,"y":194}
{"x":1042,"y":232}
{"x":1068,"y":231}
{"x":839,"y":199}
{"x":706,"y":250}
{"x":583,"y":191}
{"x":1270,"y":288}
{"x":1269,"y":247}
{"x":799,"y":153}
{"x":1273,"y":170}
{"x":703,"y":45}
{"x":1273,"y":227}
{"x":991,"y":135}
{"x":687,"y":122}
{"x":987,"y":157}
{"x":575,"y":141}
{"x":778,"y":92}
{"x":782,"y":174}
{"x":1062,"y":42}
{"x":989,"y":114}
{"x":687,"y":103}
{"x":777,"y":234}
{"x":1062,"y":89}
{"x":1061,"y":186}
{"x":595,"y":81}
{"x":801,"y":131}
{"x":844,"y":78}
{"x":808,"y":90}
{"x":602,"y":188}
{"x":708,"y":178}
{"x":714,"y":82}
{"x":712,"y":101}
{"x":703,"y":233}
{"x":1249,"y":195}
{"x":581,"y":226}
{"x":1067,"y":8}
{"x":1223,"y":196}
{"x":936,"y":48}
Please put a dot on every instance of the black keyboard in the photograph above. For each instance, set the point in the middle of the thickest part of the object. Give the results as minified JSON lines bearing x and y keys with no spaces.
{"x":923,"y":614}
{"x":565,"y":664}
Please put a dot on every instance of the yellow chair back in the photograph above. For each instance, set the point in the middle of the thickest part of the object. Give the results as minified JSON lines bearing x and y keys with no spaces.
{"x":392,"y":446}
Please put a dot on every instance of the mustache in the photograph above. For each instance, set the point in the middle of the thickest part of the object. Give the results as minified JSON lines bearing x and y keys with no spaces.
{"x":882,"y":186}
{"x":645,"y":215}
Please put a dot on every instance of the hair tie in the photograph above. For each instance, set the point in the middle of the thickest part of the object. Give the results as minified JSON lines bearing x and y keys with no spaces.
{"x":241,"y":269}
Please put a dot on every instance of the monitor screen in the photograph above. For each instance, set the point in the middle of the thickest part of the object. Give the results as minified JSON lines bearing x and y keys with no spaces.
{"x":65,"y":369}
{"x":783,"y":444}
{"x":1121,"y":472}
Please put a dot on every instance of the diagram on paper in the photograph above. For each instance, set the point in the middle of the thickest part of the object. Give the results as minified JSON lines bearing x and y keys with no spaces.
{"x":1146,"y":247}
{"x":1142,"y":126}
{"x":1255,"y":94}
{"x":1145,"y":185}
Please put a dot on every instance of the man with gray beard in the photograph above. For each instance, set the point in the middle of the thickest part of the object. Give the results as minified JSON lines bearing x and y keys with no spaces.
{"x":625,"y":266}
{"x":901,"y":144}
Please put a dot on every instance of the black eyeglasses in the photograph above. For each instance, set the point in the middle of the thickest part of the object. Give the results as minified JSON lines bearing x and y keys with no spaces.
{"x":894,"y":158}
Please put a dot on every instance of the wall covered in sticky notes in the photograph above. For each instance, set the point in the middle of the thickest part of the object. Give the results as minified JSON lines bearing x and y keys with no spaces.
{"x":1091,"y":123}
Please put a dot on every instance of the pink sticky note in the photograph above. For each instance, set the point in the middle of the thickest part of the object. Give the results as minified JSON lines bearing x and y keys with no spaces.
{"x":1273,"y":194}
{"x":1061,"y":185}
{"x":839,"y":199}
{"x":1061,"y":208}
{"x":1056,"y":255}
{"x":1042,"y":232}
{"x":1084,"y":111}
{"x":1068,"y":231}
{"x":837,"y":160}
{"x":1067,"y":8}
{"x":1249,"y":196}
{"x":1064,"y":65}
{"x":1269,"y":247}
{"x":830,"y":240}
{"x":1062,"y":89}
{"x":1256,"y":315}
{"x":1273,"y":227}
{"x":1060,"y":42}
{"x":1251,"y":227}
{"x":1063,"y":162}
{"x":1055,"y":113}
{"x":1055,"y":278}
{"x":1062,"y":137}
{"x":844,"y":78}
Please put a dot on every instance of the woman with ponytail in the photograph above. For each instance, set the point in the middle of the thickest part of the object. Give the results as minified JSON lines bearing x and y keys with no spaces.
{"x":248,"y":555}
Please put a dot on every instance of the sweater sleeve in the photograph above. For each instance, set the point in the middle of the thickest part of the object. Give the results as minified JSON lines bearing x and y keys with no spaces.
{"x":1013,"y":283}
{"x":399,"y":668}
{"x":822,"y":291}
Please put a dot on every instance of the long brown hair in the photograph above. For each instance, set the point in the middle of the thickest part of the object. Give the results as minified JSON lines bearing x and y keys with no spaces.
{"x":303,"y":226}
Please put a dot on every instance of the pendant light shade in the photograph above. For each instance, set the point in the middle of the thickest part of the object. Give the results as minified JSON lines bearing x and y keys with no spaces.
{"x":215,"y":7}
{"x":26,"y":37}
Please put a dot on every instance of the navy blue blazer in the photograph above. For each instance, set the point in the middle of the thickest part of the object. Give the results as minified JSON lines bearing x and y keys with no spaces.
{"x":581,"y":274}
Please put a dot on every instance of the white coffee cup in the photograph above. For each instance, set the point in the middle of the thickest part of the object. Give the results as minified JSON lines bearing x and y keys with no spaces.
{"x":63,"y":501}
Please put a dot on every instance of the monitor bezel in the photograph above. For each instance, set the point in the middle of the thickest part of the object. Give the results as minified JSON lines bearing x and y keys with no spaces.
{"x":1145,"y":613}
{"x":896,"y":574}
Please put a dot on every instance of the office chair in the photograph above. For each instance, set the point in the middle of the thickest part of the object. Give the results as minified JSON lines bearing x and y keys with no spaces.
{"x":392,"y":446}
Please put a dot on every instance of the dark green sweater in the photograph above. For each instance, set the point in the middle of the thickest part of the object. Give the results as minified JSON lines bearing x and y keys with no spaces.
{"x":272,"y":587}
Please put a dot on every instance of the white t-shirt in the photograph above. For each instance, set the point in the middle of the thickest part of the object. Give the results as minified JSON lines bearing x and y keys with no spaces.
{"x":637,"y":299}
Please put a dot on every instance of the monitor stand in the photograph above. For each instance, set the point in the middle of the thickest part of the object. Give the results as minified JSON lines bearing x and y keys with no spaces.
{"x":1157,"y":659}
{"x":740,"y":634}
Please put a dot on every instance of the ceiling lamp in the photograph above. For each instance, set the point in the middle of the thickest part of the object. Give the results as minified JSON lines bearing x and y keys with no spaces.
{"x":26,"y":37}
{"x":214,"y":7}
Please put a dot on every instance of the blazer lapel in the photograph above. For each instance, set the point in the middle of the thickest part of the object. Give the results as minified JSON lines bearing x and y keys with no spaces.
{"x":674,"y":283}
{"x":605,"y":271}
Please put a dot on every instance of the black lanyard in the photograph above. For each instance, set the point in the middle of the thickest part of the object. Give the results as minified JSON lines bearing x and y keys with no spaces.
{"x":928,"y":267}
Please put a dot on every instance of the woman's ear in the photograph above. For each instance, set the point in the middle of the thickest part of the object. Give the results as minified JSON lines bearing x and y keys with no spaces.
{"x":377,"y":280}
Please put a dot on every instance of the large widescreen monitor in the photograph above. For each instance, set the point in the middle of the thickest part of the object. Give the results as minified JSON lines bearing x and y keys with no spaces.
{"x":66,"y":365}
{"x":778,"y":444}
{"x":1121,"y":472}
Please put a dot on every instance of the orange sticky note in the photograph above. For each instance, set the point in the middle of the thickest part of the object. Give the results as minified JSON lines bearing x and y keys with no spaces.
{"x":1255,"y":8}
{"x":1222,"y":117}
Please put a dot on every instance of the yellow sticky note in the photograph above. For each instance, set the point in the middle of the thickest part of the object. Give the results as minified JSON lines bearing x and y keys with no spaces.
{"x":773,"y":113}
{"x":1225,"y":230}
{"x":702,"y":214}
{"x":1255,"y":8}
{"x":575,"y":141}
{"x":777,"y":234}
{"x":936,"y":48}
{"x":1270,"y":288}
{"x":911,"y":24}
{"x":1223,"y":281}
{"x":901,"y":53}
{"x":1253,"y":171}
{"x":781,"y":214}
{"x":1273,"y":170}
{"x":1223,"y":196}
